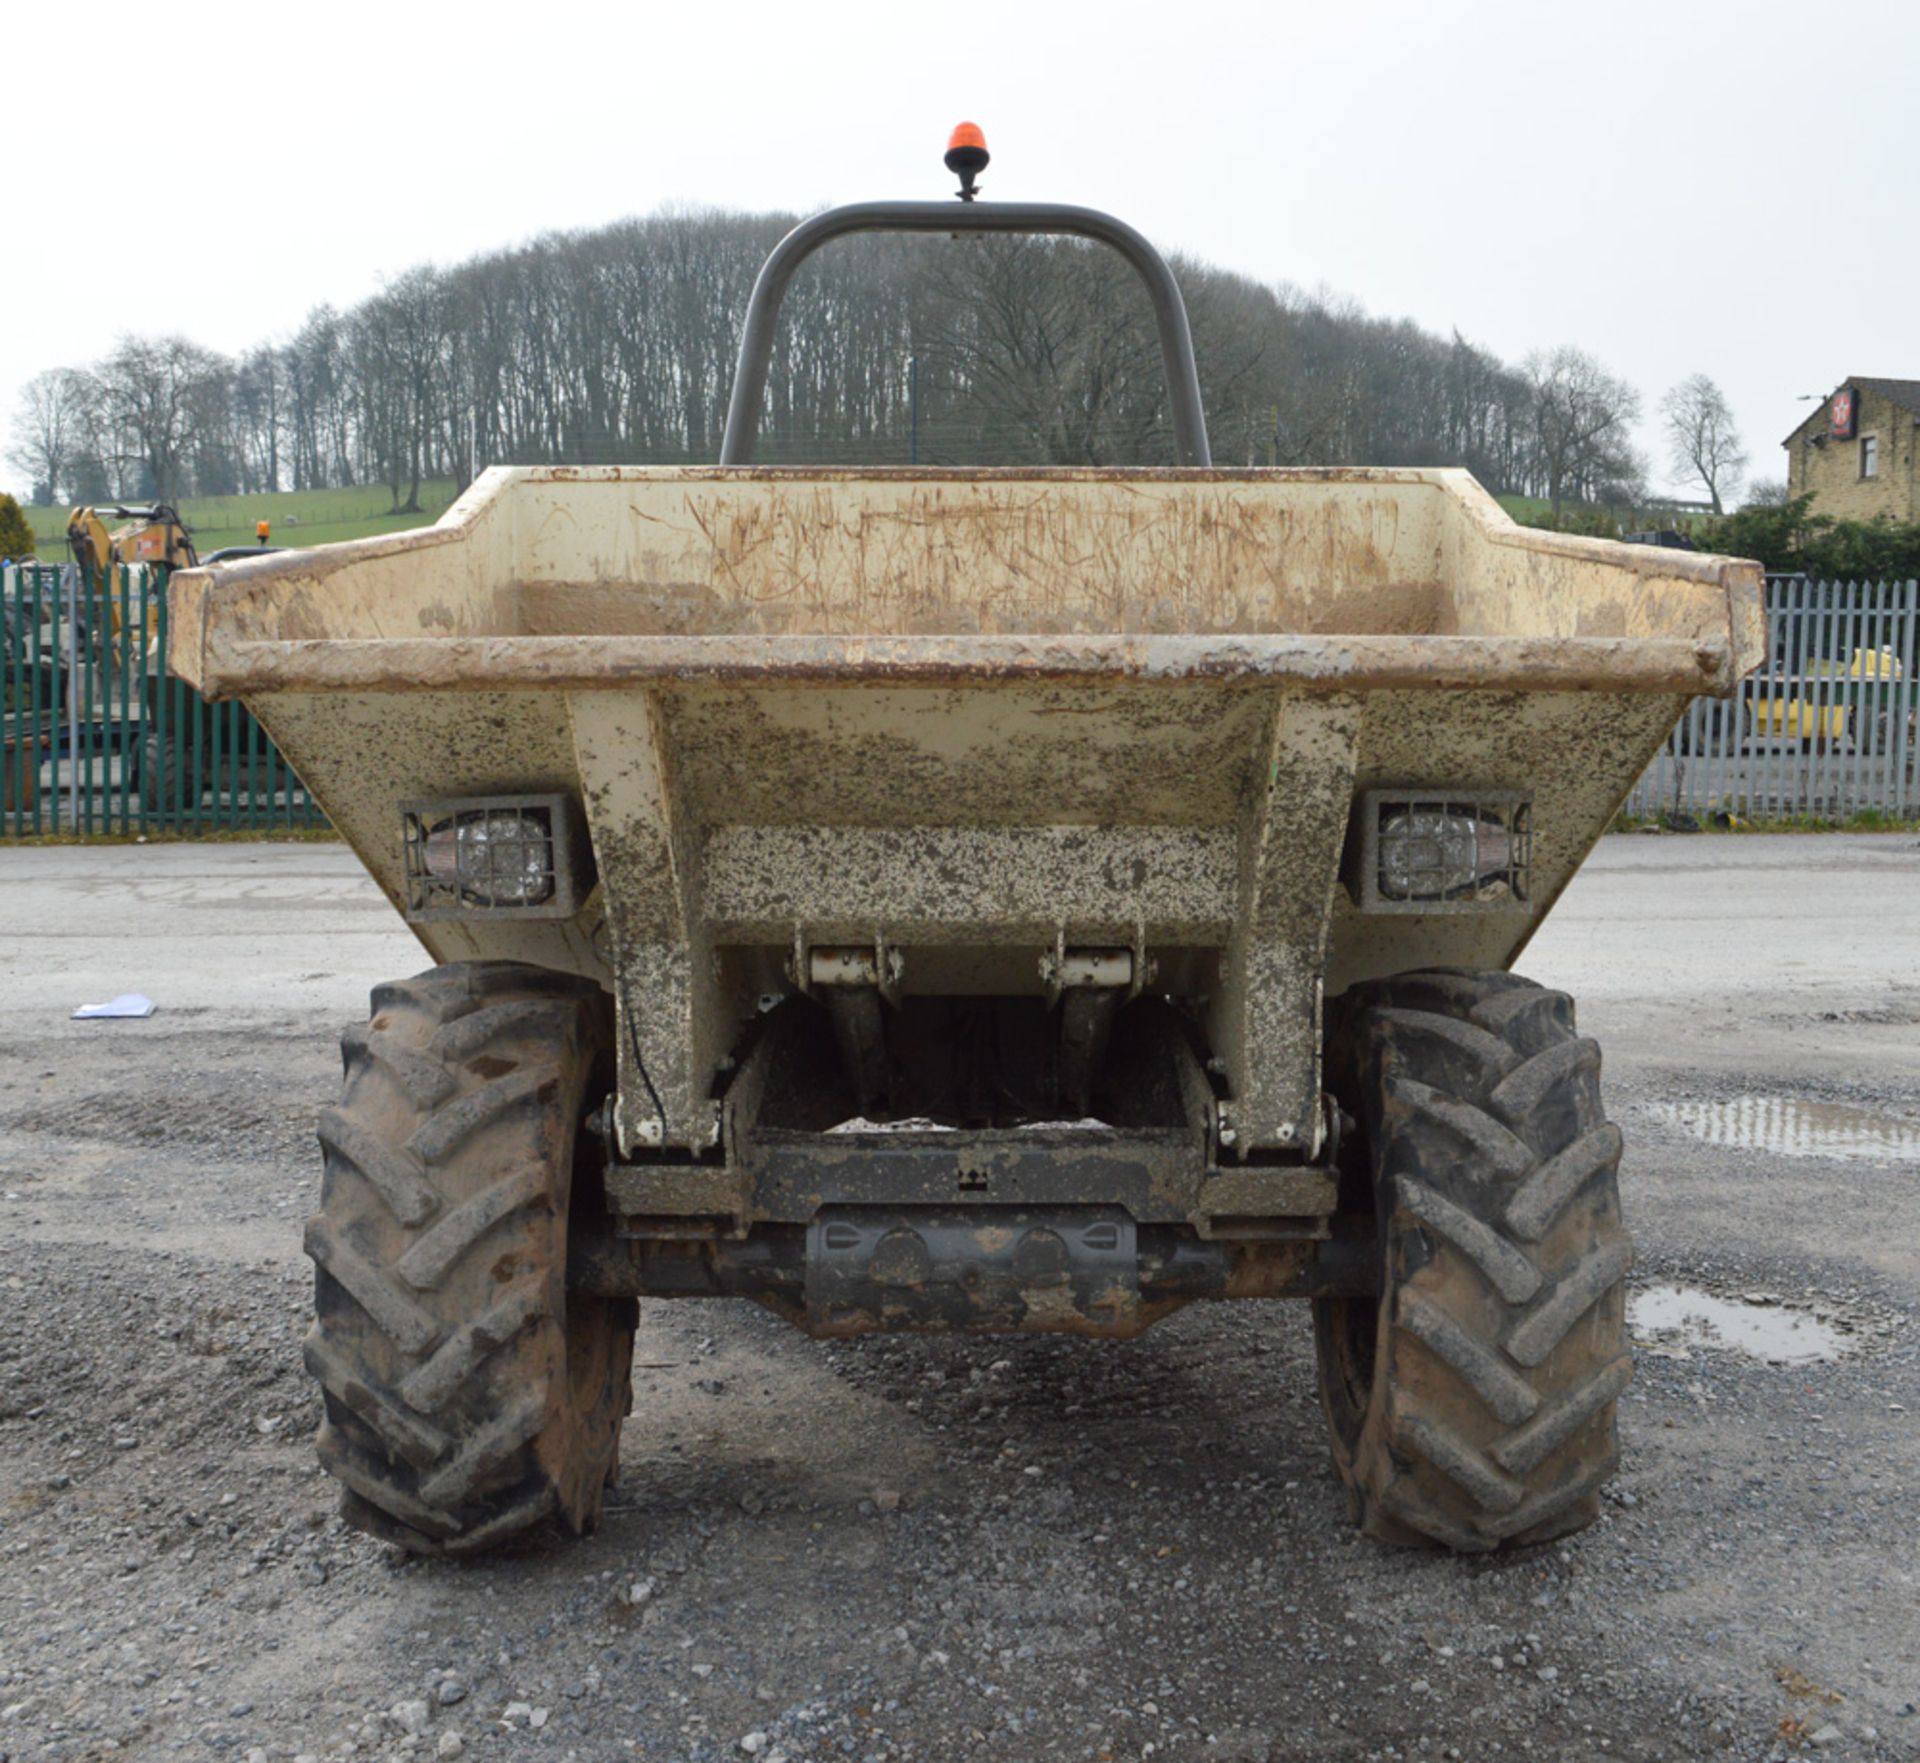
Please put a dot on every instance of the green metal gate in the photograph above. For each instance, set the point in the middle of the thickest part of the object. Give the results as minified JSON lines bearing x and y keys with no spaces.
{"x":97,"y":737}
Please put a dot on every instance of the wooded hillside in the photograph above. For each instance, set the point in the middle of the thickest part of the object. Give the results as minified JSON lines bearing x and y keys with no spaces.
{"x":618,"y":345}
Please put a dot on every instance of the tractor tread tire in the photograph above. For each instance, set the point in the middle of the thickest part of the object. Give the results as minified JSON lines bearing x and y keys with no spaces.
{"x":161,"y":769}
{"x":467,"y":1399}
{"x":1472,"y":1404}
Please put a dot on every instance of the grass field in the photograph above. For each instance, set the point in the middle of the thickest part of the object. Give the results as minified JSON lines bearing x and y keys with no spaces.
{"x":1631,"y":519}
{"x":1521,"y":506}
{"x":299,"y":517}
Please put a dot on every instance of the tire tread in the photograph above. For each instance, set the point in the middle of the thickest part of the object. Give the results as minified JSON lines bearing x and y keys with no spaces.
{"x":1500,"y":1346}
{"x":442,"y":1331}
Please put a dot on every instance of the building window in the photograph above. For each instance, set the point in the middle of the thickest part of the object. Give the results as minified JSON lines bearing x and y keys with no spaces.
{"x":1869,"y":455}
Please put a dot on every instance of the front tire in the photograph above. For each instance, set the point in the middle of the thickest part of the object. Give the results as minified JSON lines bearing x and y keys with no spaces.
{"x":468,"y":1397}
{"x":1472,"y":1403}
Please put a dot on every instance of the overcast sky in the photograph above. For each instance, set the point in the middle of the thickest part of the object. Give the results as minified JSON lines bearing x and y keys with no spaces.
{"x":1687,"y":186}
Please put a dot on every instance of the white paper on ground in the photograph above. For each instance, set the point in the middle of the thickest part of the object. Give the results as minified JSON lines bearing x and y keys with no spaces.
{"x":127,"y":1004}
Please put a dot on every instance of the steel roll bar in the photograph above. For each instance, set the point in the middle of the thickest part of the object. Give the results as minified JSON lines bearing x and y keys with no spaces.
{"x":769,"y":290}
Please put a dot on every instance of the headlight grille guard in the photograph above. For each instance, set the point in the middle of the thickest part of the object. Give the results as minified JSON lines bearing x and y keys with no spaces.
{"x":1441,"y":849}
{"x":496,"y":857}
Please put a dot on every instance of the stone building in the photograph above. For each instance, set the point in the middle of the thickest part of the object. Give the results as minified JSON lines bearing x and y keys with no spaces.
{"x":1855,"y":455}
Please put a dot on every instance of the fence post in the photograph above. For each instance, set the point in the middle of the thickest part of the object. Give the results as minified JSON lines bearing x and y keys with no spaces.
{"x":1866,"y":716}
{"x":196,"y":782}
{"x":47,"y":711}
{"x":1796,"y":759}
{"x":123,"y":721}
{"x":1853,"y":698}
{"x":1907,"y":699}
{"x":13,"y":783}
{"x":1839,"y":739}
{"x":136,"y":761}
{"x":1872,"y":691}
{"x":1845,"y":740}
{"x":1817,"y":676}
{"x":1779,"y":634}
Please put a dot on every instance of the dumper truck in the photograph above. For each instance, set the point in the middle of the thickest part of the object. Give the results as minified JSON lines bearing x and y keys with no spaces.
{"x":1013,"y":900}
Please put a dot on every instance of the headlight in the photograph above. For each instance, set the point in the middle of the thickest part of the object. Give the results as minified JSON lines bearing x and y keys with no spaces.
{"x":523,"y":857}
{"x":1430,"y":854}
{"x":502,"y":857}
{"x":1446,"y":852}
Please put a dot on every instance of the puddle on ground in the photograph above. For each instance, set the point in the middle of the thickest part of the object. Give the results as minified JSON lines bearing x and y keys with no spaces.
{"x":1791,"y":1127}
{"x":1670,"y":1319}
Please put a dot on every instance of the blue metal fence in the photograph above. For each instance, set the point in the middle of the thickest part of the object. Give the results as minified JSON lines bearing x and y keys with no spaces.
{"x":1827,"y":727}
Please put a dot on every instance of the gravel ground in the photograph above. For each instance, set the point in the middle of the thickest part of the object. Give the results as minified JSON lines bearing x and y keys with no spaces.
{"x":994,"y":1549}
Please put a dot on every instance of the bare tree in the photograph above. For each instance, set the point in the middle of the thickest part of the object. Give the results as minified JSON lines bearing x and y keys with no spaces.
{"x":1701,"y":436}
{"x":319,"y":402}
{"x":1581,"y":415}
{"x":160,"y":393}
{"x":47,"y":422}
{"x":414,"y":311}
{"x":91,"y":475}
{"x":259,"y":416}
{"x":1766,"y":492}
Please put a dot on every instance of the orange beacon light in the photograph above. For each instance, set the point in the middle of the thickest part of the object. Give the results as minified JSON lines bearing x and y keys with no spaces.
{"x":967,"y":157}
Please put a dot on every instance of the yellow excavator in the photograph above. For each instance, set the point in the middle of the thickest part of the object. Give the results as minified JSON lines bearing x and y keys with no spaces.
{"x":154,"y":534}
{"x":150,"y":534}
